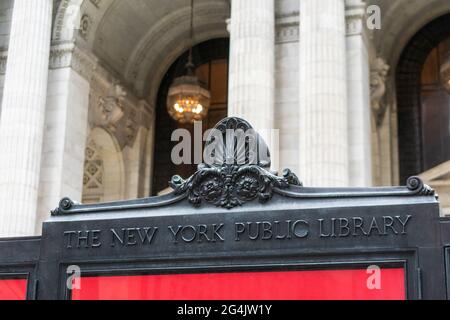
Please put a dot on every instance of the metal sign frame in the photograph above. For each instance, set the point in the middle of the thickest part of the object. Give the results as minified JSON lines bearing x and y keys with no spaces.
{"x":241,"y":217}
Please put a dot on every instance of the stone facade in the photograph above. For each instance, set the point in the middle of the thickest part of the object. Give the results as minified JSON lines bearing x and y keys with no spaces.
{"x":79,"y":86}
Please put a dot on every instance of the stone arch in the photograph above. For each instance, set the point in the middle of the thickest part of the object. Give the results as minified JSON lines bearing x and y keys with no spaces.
{"x":408,"y":73}
{"x":206,"y":52}
{"x":158,"y":50}
{"x":104,"y":178}
{"x":401,"y":20}
{"x":67,"y":12}
{"x":138,"y":60}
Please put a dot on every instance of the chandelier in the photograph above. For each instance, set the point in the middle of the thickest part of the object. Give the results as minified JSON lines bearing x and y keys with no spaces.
{"x":188,"y":99}
{"x":445,"y":73}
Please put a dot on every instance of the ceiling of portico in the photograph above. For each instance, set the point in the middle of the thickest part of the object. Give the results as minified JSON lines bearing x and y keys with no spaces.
{"x":401,"y":20}
{"x":139,"y":39}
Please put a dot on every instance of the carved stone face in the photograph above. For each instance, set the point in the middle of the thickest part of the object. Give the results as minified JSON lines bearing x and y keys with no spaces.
{"x":112,"y":110}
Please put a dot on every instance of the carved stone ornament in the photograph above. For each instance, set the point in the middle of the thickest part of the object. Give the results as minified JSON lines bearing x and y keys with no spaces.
{"x":420,"y":188}
{"x":85,"y":26}
{"x":111,"y":106}
{"x":233,"y":176}
{"x":378,"y":76}
{"x":228,"y":184}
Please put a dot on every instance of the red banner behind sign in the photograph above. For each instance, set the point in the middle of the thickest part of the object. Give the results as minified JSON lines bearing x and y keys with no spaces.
{"x":287,"y":285}
{"x":14,"y":289}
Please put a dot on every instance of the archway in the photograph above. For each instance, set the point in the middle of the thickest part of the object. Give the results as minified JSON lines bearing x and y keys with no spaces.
{"x":410,"y":96}
{"x":137,"y":62}
{"x":211,"y":63}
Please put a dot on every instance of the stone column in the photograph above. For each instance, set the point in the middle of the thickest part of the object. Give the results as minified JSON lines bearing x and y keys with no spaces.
{"x":358,"y":73}
{"x":3,"y":59}
{"x":251,"y":70}
{"x":323,"y":124}
{"x":138,"y":155}
{"x":66,"y":127}
{"x":22,"y":118}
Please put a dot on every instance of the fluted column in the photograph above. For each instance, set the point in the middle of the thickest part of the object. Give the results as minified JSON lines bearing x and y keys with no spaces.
{"x":358,"y":74}
{"x":22,"y":118}
{"x":66,"y":127}
{"x":323,"y":114}
{"x":251,"y":70}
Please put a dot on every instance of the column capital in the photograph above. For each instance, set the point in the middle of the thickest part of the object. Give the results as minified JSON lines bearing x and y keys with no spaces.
{"x":355,"y":16}
{"x":287,"y":27}
{"x":69,"y":55}
{"x":355,"y":5}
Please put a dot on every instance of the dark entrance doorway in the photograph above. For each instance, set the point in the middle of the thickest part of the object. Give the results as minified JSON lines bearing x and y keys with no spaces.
{"x":211,"y":63}
{"x":422,"y":104}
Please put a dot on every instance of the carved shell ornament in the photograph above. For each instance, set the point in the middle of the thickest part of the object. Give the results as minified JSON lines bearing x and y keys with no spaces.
{"x":238,"y":172}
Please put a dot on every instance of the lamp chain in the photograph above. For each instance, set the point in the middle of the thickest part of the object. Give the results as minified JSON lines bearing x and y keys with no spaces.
{"x":190,"y":64}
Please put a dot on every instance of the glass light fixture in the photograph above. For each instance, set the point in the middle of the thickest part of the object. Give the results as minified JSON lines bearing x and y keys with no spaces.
{"x":188,"y":99}
{"x":445,"y":73}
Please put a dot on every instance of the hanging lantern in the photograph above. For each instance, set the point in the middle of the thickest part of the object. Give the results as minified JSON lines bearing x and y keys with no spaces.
{"x":188,"y":100}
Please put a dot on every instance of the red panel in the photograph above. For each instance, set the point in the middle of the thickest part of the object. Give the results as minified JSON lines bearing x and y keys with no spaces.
{"x":289,"y":285}
{"x":13,"y":289}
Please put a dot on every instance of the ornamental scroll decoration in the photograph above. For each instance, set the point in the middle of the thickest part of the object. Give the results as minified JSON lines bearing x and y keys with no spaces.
{"x":234,"y":176}
{"x":418,"y":187}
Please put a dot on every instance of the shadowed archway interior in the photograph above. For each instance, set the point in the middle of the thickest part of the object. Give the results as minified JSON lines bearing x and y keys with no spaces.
{"x":409,"y":95}
{"x":211,"y":63}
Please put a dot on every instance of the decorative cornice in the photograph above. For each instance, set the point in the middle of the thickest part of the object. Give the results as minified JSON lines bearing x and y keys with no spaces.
{"x":355,"y":15}
{"x":414,"y":188}
{"x":287,"y":28}
{"x":59,"y":20}
{"x":285,"y":33}
{"x":67,"y":55}
{"x":228,"y":183}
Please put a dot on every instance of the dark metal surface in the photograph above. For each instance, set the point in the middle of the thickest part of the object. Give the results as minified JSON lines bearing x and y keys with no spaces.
{"x":269,"y":222}
{"x":19,"y":259}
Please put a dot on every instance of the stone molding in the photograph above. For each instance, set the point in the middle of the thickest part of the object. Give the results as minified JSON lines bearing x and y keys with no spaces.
{"x":114,"y":107}
{"x":355,"y":14}
{"x":59,"y":20}
{"x":287,"y":28}
{"x":68,"y":54}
